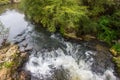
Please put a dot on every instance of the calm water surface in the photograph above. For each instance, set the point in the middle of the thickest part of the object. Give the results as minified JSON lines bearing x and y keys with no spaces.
{"x":13,"y":18}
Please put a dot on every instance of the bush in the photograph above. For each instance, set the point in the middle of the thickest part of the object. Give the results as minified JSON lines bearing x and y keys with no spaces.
{"x":87,"y":26}
{"x":116,"y":47}
{"x":100,"y":7}
{"x":115,"y":21}
{"x":55,"y":14}
{"x":105,"y":32}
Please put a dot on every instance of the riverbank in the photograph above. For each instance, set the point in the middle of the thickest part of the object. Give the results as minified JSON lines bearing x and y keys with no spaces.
{"x":11,"y":63}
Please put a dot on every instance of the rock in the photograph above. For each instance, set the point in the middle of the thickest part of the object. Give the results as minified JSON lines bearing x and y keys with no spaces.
{"x":11,"y":61}
{"x":100,"y":47}
{"x":4,"y":75}
{"x":25,"y":44}
{"x":20,"y":34}
{"x":19,"y":40}
{"x":4,"y":42}
{"x":101,"y":60}
{"x":88,"y":37}
{"x":72,"y":36}
{"x":24,"y":76}
{"x":22,"y":49}
{"x":23,"y":54}
{"x":28,"y":48}
{"x":114,"y":53}
{"x":102,"y":57}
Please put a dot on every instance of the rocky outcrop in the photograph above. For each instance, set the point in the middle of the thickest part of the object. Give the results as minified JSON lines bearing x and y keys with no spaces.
{"x":11,"y":62}
{"x":86,"y":37}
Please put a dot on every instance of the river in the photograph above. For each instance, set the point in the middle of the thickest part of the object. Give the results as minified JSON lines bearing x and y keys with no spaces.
{"x":51,"y":56}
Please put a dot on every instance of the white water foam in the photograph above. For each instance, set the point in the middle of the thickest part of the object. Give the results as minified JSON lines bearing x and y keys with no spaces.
{"x":40,"y":67}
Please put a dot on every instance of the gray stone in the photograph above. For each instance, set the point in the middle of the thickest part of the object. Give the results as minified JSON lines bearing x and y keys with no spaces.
{"x":28,"y":48}
{"x":22,"y":49}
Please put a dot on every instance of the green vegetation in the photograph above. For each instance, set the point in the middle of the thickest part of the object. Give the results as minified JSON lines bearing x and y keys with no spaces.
{"x":117,"y":61}
{"x":8,"y":64}
{"x":100,"y":18}
{"x":2,"y":2}
{"x":64,"y":15}
{"x":106,"y":33}
{"x":116,"y":47}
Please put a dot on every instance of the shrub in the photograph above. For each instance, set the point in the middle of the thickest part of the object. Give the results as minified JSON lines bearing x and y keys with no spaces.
{"x":100,"y":7}
{"x":115,"y":21}
{"x":54,"y":14}
{"x":116,"y":47}
{"x":105,"y":32}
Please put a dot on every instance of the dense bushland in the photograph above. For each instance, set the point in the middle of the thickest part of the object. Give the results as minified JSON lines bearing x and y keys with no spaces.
{"x":98,"y":17}
{"x":61,"y":15}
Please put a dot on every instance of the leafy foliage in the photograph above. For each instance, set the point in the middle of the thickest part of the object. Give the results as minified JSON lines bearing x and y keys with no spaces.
{"x":105,"y":33}
{"x":116,"y":47}
{"x":55,"y":14}
{"x":4,"y":2}
{"x":99,"y":7}
{"x":87,"y":26}
{"x":8,"y":64}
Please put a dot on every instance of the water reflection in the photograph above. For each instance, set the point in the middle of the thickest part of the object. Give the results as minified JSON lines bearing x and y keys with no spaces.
{"x":13,"y":18}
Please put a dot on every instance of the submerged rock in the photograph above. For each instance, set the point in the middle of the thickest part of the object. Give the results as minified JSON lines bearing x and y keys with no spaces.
{"x":11,"y":61}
